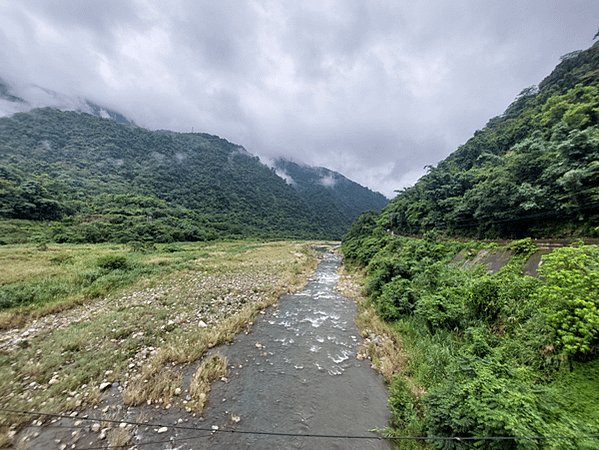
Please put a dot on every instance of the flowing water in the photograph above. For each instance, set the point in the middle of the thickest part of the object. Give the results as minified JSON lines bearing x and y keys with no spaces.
{"x":296,"y":372}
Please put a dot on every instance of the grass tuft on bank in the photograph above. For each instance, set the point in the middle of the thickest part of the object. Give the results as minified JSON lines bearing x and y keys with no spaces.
{"x":137,"y":318}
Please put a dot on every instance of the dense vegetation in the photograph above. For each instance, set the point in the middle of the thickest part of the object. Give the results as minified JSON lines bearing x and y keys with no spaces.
{"x":325,"y":190}
{"x":504,"y":354}
{"x":491,"y":355}
{"x":98,"y":180}
{"x":532,"y":171}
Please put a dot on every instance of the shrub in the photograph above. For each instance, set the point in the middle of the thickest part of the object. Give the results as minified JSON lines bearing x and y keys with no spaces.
{"x":484,"y":297}
{"x":523,"y":247}
{"x":136,"y":246}
{"x":440,"y":311}
{"x":385,"y":269}
{"x":112,"y":262}
{"x":484,"y":397}
{"x":570,"y":297}
{"x":397,"y":299}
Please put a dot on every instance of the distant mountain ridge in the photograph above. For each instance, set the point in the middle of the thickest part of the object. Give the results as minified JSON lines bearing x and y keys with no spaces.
{"x":329,"y":192}
{"x":26,"y":98}
{"x":108,"y":181}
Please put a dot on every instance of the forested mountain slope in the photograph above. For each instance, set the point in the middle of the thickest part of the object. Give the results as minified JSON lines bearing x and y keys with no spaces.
{"x":495,"y":360}
{"x":329,"y":195}
{"x":532,"y":171}
{"x":107,"y":181}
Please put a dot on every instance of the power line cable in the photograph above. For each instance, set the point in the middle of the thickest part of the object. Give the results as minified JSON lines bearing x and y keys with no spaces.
{"x":281,"y":434}
{"x":520,"y":218}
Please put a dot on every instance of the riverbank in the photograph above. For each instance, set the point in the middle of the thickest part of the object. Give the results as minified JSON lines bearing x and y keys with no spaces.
{"x":295,"y":380}
{"x":76,"y":360}
{"x":491,"y":352}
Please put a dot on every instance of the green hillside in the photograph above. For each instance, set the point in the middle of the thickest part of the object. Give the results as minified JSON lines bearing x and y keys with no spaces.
{"x":331,"y":197}
{"x":98,"y":180}
{"x":495,"y":359}
{"x":533,"y":170}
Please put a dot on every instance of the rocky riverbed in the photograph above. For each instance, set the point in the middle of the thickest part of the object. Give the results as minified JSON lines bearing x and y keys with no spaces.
{"x":75,"y":361}
{"x":101,"y":419}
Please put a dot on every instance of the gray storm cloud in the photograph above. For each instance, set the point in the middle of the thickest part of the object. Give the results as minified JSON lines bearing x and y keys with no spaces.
{"x":375,"y":90}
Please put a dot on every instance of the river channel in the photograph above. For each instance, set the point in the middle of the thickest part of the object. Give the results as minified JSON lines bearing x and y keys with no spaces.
{"x":296,"y":373}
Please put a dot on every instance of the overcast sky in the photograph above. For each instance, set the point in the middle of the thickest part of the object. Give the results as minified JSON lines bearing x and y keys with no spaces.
{"x":374,"y":89}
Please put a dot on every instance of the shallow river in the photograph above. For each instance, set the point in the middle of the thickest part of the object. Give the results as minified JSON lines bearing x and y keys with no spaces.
{"x":296,"y":372}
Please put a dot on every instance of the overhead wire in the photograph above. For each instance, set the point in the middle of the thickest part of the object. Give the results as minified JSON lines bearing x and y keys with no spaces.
{"x":282,"y":434}
{"x":469,"y":222}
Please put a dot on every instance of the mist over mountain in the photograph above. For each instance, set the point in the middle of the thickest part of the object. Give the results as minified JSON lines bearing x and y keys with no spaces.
{"x":104,"y":180}
{"x":326,"y":190}
{"x":15,"y":99}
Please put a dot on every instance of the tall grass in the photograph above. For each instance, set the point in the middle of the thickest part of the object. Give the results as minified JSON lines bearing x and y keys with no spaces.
{"x":35,"y":283}
{"x":130,"y":301}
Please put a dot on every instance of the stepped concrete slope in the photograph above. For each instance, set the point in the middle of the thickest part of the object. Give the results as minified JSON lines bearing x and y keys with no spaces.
{"x":496,"y":258}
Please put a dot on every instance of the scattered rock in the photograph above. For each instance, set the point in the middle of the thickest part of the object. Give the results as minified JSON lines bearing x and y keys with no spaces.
{"x":234,"y":292}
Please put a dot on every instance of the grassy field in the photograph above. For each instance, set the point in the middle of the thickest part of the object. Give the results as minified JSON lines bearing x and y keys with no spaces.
{"x":74,"y":317}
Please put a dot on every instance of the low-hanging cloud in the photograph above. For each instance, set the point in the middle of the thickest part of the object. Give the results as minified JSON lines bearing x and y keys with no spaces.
{"x":328,"y":181}
{"x":375,"y":90}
